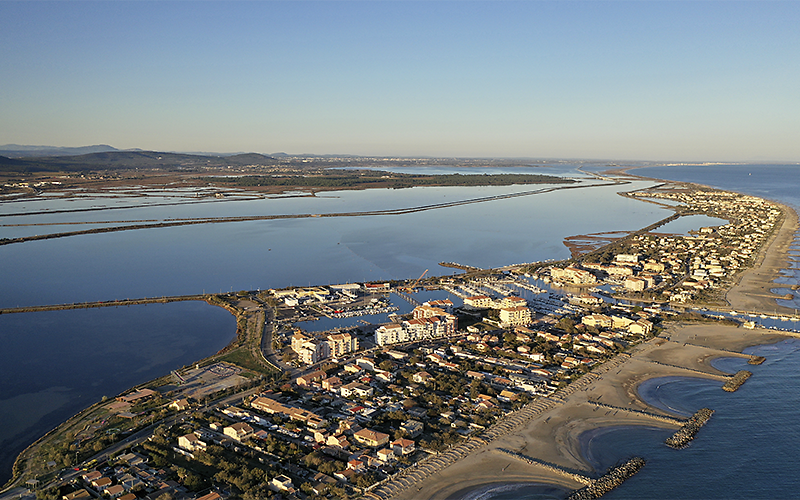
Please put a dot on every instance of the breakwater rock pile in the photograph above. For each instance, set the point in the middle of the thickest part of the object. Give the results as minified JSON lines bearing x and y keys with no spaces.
{"x":756,"y":360}
{"x":736,"y":381}
{"x":613,"y":478}
{"x":686,"y":433}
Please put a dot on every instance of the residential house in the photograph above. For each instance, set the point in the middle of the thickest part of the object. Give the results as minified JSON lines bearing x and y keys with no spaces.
{"x":238,"y":431}
{"x":371,"y":438}
{"x":191,"y":442}
{"x":403,"y":447}
{"x":412,"y":427}
{"x":180,"y":405}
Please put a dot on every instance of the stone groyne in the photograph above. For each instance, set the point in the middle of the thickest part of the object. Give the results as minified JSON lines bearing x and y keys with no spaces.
{"x":654,"y":416}
{"x":612,"y":479}
{"x":756,"y":360}
{"x":578,"y":478}
{"x":699,"y":372}
{"x":686,"y":433}
{"x":736,"y":381}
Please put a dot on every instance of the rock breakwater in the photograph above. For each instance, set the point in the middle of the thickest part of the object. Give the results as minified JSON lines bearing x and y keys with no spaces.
{"x":686,"y":433}
{"x":736,"y":381}
{"x":612,"y":479}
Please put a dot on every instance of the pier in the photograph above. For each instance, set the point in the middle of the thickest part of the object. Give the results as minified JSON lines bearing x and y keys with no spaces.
{"x":528,"y":286}
{"x":699,"y":372}
{"x":363,"y":312}
{"x":654,"y":416}
{"x":408,"y":298}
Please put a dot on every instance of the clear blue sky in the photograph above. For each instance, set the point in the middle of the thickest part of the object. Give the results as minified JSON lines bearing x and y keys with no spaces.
{"x":688,"y":81}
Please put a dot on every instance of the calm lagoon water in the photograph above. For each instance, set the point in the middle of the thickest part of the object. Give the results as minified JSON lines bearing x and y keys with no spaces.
{"x":54,"y":364}
{"x":279,"y":253}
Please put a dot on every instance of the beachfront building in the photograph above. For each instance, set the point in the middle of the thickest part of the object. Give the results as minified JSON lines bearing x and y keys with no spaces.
{"x":641,"y":327}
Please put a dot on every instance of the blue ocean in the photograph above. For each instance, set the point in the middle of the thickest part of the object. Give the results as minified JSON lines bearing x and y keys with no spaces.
{"x":748,"y":450}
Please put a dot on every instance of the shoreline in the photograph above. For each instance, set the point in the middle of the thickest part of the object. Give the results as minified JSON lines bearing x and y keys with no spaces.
{"x":680,"y":350}
{"x":753,"y":289}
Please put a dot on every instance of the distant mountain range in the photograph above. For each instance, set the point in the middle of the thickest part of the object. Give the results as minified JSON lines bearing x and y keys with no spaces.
{"x":20,"y":151}
{"x":113,"y":159}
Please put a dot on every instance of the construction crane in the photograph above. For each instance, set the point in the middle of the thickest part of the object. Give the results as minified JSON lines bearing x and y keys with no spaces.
{"x":414,"y":285}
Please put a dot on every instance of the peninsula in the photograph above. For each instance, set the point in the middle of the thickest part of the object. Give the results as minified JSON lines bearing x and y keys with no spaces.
{"x":446,"y":400}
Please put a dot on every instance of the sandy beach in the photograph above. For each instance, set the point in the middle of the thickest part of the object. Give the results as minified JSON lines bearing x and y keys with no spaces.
{"x":553,"y":434}
{"x":550,"y":429}
{"x":753,"y":291}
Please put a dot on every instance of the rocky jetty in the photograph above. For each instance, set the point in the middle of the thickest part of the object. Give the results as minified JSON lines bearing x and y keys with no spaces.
{"x":756,"y":360}
{"x":686,"y":433}
{"x":736,"y":381}
{"x":613,"y":478}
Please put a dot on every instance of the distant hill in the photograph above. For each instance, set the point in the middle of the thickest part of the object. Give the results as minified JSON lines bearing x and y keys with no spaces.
{"x":123,"y":160}
{"x":6,"y":161}
{"x":22,"y":151}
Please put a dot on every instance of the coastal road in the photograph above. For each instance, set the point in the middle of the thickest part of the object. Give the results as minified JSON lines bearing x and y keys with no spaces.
{"x":266,"y":341}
